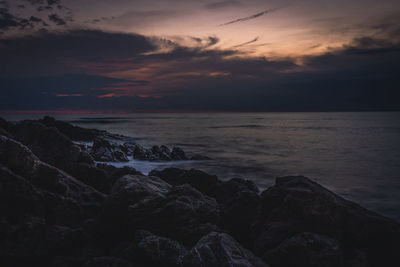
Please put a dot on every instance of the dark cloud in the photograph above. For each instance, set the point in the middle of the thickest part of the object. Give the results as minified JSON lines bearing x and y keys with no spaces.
{"x":252,"y":16}
{"x":55,"y":53}
{"x":57,"y":20}
{"x":8,"y":20}
{"x":247,"y":43}
{"x":362,"y":75}
{"x":223,"y":4}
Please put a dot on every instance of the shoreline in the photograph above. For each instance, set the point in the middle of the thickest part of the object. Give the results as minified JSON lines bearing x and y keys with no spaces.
{"x":84,"y":213}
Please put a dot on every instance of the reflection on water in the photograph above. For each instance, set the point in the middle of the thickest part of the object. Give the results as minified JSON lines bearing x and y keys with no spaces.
{"x":355,"y":154}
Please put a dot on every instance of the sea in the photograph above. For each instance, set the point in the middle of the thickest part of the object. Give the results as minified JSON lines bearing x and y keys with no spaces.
{"x":356,"y":155}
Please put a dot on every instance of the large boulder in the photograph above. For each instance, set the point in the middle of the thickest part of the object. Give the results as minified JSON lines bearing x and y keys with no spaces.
{"x":152,"y":250}
{"x":220,"y":249}
{"x":128,"y":190}
{"x":140,"y":202}
{"x":200,"y":180}
{"x":68,"y":200}
{"x":102,"y":150}
{"x":297,"y":204}
{"x":42,"y":208}
{"x":183,"y":214}
{"x":73,"y":132}
{"x":307,"y":250}
{"x":50,"y":145}
{"x":238,"y":199}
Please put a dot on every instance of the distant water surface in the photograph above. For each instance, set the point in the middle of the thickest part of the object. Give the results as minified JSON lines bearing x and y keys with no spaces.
{"x":357,"y":155}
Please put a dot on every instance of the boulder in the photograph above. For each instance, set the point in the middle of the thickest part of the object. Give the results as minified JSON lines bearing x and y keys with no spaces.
{"x":220,"y":249}
{"x":114,"y":220}
{"x":66,"y":200}
{"x":307,"y":250}
{"x":107,"y":262}
{"x":238,"y":199}
{"x":200,"y":180}
{"x":73,"y":132}
{"x":182,"y":213}
{"x":296,"y":204}
{"x":151,"y":250}
{"x":102,"y":150}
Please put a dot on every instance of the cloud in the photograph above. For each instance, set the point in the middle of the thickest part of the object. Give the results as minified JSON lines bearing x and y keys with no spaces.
{"x":271,"y":10}
{"x":246,"y":43}
{"x":223,"y":4}
{"x":56,"y":19}
{"x":361,"y":75}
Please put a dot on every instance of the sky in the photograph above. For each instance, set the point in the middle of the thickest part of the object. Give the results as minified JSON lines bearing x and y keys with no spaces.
{"x":228,"y":55}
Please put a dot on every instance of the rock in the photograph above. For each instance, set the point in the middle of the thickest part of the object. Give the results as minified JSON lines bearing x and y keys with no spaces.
{"x":93,"y":176}
{"x":200,"y":157}
{"x":73,"y":132}
{"x":152,"y":250}
{"x":116,"y":173}
{"x":200,"y":180}
{"x":182,"y":213}
{"x":297,"y":204}
{"x":307,"y":250}
{"x":128,"y":190}
{"x":178,"y":154}
{"x":102,"y":150}
{"x":139,"y":202}
{"x":50,"y":145}
{"x":107,"y":262}
{"x":66,"y":200}
{"x":239,"y":201}
{"x":220,"y":249}
{"x":156,"y":153}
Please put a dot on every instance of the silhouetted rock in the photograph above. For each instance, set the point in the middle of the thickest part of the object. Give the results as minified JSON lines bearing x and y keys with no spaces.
{"x":36,"y":197}
{"x":200,"y":180}
{"x":178,"y":154}
{"x":72,"y":200}
{"x":107,"y":262}
{"x":220,"y":249}
{"x":307,"y":250}
{"x":297,"y":204}
{"x":102,"y":150}
{"x":73,"y":132}
{"x":182,"y":213}
{"x":128,"y":190}
{"x":238,"y":199}
{"x":151,"y":250}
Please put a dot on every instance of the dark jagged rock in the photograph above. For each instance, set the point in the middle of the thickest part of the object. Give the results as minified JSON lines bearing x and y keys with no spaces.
{"x":68,"y":199}
{"x":107,"y":262}
{"x":183,"y":214}
{"x":199,"y":157}
{"x":50,"y":145}
{"x":297,"y":204}
{"x":73,"y":132}
{"x":140,"y":202}
{"x":178,"y":154}
{"x":151,"y":250}
{"x":238,"y":199}
{"x":220,"y":249}
{"x":307,"y":250}
{"x":36,"y":197}
{"x":102,"y":150}
{"x":128,"y":190}
{"x":116,"y":173}
{"x":200,"y":180}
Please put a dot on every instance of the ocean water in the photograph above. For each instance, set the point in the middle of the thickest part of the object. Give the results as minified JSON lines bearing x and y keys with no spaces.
{"x":356,"y":155}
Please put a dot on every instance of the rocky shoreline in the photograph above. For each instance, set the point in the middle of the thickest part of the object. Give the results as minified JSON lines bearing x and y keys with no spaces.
{"x":60,"y":206}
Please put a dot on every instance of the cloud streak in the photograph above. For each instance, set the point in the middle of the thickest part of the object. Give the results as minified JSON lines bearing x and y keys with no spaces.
{"x":271,"y":10}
